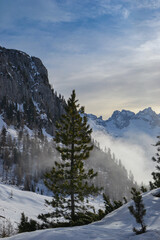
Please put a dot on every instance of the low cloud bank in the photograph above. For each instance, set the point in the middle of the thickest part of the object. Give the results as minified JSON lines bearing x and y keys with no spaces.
{"x":135,"y":150}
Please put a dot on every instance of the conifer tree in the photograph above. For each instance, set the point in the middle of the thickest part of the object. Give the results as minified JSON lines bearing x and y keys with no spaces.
{"x":3,"y":137}
{"x":138,"y":211}
{"x":68,"y":179}
{"x":156,"y":175}
{"x":109,"y":207}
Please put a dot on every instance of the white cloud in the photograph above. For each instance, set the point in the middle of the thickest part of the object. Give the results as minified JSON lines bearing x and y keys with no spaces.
{"x":135,"y":152}
{"x":125,"y":13}
{"x":151,"y":4}
{"x":14,"y":14}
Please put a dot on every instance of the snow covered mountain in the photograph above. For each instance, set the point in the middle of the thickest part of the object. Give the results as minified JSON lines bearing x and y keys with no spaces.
{"x":122,"y":122}
{"x":115,"y":226}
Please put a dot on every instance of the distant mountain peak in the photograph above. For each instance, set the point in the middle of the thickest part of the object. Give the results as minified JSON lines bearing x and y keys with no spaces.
{"x":147,"y":111}
{"x":121,"y":121}
{"x":123,"y":113}
{"x":149,"y":115}
{"x":121,"y":118}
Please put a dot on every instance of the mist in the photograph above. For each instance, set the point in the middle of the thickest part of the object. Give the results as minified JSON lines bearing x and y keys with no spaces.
{"x":135,"y":151}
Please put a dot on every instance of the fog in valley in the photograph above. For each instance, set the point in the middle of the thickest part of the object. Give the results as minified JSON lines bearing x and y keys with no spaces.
{"x":135,"y":150}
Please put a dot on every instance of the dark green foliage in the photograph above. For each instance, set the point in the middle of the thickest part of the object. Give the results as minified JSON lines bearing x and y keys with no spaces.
{"x":68,"y":179}
{"x":27,"y":225}
{"x":125,"y":200}
{"x":81,"y":218}
{"x":109,"y":207}
{"x":143,"y":189}
{"x":87,"y":217}
{"x":117,"y":204}
{"x":30,"y":111}
{"x":151,"y":186}
{"x":3,"y":137}
{"x":156,"y":175}
{"x":138,"y":211}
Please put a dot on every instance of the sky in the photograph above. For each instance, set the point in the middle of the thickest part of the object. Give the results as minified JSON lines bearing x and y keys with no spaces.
{"x":107,"y":50}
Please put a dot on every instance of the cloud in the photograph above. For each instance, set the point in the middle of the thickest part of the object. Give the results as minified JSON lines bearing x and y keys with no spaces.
{"x":125,"y":13}
{"x":27,"y":14}
{"x":119,"y":72}
{"x":107,"y":50}
{"x":135,"y":151}
{"x":151,"y":4}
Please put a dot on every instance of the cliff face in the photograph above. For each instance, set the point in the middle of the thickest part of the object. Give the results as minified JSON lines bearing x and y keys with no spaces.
{"x":23,"y":78}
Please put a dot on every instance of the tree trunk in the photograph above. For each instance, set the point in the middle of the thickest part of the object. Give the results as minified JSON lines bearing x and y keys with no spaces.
{"x":72,"y":176}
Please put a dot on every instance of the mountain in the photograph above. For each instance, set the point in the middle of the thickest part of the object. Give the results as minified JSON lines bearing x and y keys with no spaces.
{"x":25,"y":89}
{"x":29,"y":108}
{"x":116,"y":225}
{"x":121,"y":122}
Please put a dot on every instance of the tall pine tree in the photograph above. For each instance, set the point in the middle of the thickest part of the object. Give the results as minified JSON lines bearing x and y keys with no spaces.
{"x":68,"y":179}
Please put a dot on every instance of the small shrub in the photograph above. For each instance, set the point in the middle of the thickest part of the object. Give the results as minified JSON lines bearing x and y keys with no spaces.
{"x":27,"y":225}
{"x":6,"y":229}
{"x":138,"y":211}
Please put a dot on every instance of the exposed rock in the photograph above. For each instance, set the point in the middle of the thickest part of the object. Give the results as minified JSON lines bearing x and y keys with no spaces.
{"x":23,"y":78}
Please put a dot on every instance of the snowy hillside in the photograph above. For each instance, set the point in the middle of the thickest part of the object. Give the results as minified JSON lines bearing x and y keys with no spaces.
{"x":131,"y":137}
{"x":13,"y":202}
{"x":115,"y":226}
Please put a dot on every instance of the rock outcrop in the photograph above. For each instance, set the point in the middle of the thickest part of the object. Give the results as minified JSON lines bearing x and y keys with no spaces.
{"x":24,"y":79}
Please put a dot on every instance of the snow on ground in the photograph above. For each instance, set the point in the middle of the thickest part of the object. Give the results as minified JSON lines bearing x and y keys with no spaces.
{"x":2,"y":123}
{"x":14,"y":201}
{"x":115,"y":226}
{"x":30,"y":203}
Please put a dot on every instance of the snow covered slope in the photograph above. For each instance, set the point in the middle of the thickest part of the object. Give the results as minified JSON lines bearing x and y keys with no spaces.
{"x":14,"y":201}
{"x":115,"y":226}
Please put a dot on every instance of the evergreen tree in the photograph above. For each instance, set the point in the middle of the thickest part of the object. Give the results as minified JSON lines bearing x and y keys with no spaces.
{"x":26,"y":225}
{"x":156,"y":175}
{"x":68,"y":179}
{"x":3,"y":137}
{"x":139,"y":211}
{"x":109,"y":207}
{"x":143,"y":189}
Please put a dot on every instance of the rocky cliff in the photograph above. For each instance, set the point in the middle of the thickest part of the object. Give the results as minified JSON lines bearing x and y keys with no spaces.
{"x":24,"y":79}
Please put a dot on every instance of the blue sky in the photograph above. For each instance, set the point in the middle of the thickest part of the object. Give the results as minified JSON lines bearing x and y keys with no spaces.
{"x":108,"y":50}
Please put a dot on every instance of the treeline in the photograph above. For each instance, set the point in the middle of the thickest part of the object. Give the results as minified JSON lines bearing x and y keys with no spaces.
{"x":112,"y":175}
{"x":25,"y":158}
